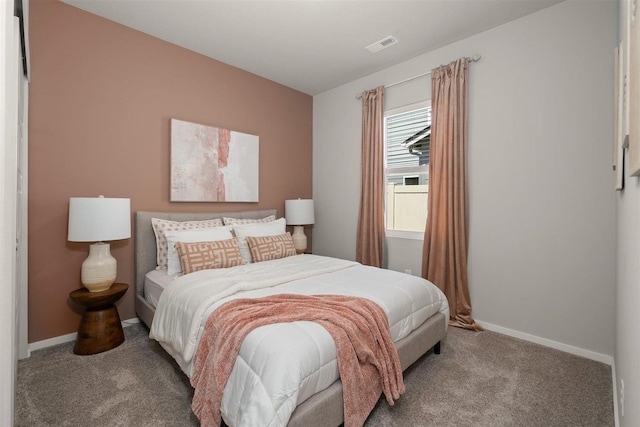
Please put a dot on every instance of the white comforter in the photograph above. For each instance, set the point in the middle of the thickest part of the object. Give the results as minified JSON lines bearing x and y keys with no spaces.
{"x":271,"y":376}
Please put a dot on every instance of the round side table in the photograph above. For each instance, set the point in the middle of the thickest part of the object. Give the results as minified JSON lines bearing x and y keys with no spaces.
{"x":100,"y":327}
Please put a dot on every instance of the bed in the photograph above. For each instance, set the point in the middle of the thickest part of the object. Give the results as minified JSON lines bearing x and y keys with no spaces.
{"x":322,"y":408}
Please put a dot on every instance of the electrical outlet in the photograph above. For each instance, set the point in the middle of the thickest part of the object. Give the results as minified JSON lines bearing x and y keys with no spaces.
{"x":407,"y":271}
{"x":621,"y":398}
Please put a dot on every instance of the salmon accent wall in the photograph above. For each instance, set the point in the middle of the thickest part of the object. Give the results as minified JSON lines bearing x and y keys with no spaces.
{"x":101,"y":100}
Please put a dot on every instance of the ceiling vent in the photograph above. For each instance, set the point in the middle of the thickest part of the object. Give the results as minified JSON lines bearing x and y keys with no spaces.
{"x":382,"y":44}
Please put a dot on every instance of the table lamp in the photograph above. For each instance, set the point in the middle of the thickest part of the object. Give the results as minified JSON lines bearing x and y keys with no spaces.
{"x":96,"y":219}
{"x":299,"y":212}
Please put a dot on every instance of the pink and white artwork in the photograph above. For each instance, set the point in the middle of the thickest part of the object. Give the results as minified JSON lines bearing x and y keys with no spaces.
{"x":210,"y":164}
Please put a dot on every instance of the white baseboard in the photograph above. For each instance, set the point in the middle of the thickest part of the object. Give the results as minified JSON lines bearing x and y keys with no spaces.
{"x":598,"y":357}
{"x":39,"y":345}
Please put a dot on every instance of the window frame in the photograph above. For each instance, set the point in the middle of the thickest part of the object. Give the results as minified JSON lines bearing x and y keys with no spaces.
{"x":401,"y":234}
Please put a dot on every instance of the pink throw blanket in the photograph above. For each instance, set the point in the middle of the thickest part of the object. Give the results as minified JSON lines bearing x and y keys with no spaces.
{"x":367,"y":359}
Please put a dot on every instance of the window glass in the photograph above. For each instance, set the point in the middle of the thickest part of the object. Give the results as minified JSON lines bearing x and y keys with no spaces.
{"x":407,"y":149}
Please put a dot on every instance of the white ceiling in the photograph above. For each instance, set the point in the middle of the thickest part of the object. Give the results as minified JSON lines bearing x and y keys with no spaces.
{"x":311,"y":45}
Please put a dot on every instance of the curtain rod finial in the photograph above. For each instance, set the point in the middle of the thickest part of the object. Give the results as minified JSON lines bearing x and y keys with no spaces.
{"x":476,"y":57}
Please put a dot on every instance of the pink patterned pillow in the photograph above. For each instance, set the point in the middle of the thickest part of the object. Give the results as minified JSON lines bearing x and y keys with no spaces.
{"x":234,"y":221}
{"x":160,"y":226}
{"x":271,"y":247}
{"x":207,"y":255}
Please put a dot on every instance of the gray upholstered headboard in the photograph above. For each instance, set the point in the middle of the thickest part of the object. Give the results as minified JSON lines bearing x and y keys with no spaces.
{"x":145,"y":246}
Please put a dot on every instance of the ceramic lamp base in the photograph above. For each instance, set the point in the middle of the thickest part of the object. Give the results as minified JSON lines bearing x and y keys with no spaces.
{"x":99,"y":269}
{"x":299,"y":239}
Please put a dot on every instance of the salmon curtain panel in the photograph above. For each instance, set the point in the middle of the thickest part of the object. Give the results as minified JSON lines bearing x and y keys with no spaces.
{"x":445,"y":241}
{"x":370,"y":236}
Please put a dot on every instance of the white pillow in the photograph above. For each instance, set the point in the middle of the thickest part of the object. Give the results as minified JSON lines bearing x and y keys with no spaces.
{"x":161,"y":226}
{"x":191,"y":236}
{"x":273,"y":228}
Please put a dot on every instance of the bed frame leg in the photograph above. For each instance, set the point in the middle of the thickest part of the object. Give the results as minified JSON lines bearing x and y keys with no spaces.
{"x":436,"y":348}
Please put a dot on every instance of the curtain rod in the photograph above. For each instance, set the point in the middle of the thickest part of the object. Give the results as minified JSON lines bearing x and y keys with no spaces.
{"x":475,"y":58}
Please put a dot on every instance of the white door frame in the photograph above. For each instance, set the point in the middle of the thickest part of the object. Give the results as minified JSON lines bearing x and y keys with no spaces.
{"x":9,"y":56}
{"x":22,"y":213}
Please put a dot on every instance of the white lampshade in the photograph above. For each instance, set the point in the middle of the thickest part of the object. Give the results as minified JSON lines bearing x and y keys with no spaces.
{"x":96,"y":219}
{"x":299,"y":211}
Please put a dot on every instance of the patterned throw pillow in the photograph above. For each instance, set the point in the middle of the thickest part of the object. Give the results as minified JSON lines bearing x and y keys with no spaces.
{"x":207,"y":255}
{"x":258,"y":229}
{"x":271,"y":247}
{"x":234,"y":221}
{"x":162,"y":225}
{"x":192,"y":236}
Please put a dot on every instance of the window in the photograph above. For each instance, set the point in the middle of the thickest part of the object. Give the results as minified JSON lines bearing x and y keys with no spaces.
{"x":407,"y":133}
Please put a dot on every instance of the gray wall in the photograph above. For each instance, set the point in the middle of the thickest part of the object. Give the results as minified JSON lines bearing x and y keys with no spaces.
{"x":542,"y":206}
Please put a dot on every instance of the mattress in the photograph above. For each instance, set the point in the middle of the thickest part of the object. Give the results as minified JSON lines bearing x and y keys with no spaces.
{"x":155,"y":282}
{"x":270,"y":376}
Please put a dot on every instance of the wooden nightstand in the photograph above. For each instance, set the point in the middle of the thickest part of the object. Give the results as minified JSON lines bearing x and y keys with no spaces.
{"x":100,"y":327}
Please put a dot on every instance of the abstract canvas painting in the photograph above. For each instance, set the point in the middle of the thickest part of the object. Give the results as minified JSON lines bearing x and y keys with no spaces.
{"x":210,"y":164}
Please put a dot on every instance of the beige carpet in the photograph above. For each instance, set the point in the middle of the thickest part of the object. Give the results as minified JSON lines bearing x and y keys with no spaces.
{"x":480,"y":379}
